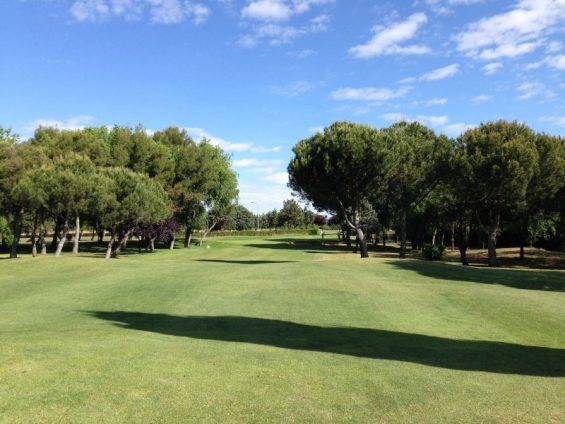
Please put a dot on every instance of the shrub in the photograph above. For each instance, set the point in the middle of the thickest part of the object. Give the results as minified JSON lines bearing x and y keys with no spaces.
{"x":313,"y":232}
{"x":433,"y":252}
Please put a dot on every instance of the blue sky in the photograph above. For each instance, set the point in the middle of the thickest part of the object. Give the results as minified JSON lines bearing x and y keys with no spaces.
{"x":256,"y":76}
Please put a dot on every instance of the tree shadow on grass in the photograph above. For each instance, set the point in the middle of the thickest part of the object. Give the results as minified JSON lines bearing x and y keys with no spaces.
{"x":465,"y":355}
{"x":308,"y":246}
{"x":243,"y":262}
{"x":519,"y":279}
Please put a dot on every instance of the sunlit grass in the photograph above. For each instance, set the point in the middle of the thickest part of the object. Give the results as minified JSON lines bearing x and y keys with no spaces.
{"x":278,"y":330}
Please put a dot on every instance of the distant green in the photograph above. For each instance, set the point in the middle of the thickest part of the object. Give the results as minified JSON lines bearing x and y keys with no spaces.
{"x":278,"y":329}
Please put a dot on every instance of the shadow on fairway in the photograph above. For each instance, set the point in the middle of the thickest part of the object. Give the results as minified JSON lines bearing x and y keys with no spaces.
{"x":519,"y":279}
{"x":308,"y":246}
{"x":243,"y":262}
{"x":466,"y":355}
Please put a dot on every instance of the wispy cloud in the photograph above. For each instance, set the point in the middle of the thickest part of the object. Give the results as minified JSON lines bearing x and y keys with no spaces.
{"x":442,"y":7}
{"x":254,"y":162}
{"x":440,"y":73}
{"x":158,"y":11}
{"x":271,"y":21}
{"x":492,"y":68}
{"x":279,"y":178}
{"x":481,"y":98}
{"x":557,"y":120}
{"x":278,"y":10}
{"x":528,"y":90}
{"x":436,"y":102}
{"x":517,"y":32}
{"x":369,"y":93}
{"x":388,"y":40}
{"x":73,"y":123}
{"x":293,"y":89}
{"x":228,"y":146}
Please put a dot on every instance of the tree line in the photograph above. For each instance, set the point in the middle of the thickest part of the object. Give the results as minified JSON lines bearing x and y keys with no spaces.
{"x":500,"y":177}
{"x":121,"y":181}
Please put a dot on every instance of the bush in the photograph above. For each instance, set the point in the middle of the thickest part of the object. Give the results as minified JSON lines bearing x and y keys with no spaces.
{"x":433,"y":252}
{"x":313,"y":232}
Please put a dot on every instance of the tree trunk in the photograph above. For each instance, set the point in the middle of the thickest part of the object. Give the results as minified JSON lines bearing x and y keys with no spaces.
{"x":463,"y":243}
{"x":152,"y":244}
{"x":403,"y":233}
{"x":188,"y":236}
{"x":121,"y":245}
{"x":17,"y":233}
{"x":56,"y":234}
{"x":434,"y":237}
{"x":76,"y":240}
{"x":111,"y":243}
{"x":172,"y":242}
{"x":522,"y":251}
{"x":347,"y":237}
{"x":362,"y":243}
{"x":453,"y":236}
{"x":384,"y":238}
{"x":63,"y":238}
{"x":42,"y":234}
{"x":492,"y":236}
{"x":34,"y":236}
{"x":206,"y":233}
{"x":101,"y":232}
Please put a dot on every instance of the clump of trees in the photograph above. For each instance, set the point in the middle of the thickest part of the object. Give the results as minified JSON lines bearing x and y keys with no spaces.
{"x":290,"y":217}
{"x":498,"y":178}
{"x":121,"y":181}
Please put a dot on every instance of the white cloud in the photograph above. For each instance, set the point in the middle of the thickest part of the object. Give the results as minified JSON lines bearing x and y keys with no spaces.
{"x":263,"y":197}
{"x":228,"y":146}
{"x":514,"y":33}
{"x":528,"y":90}
{"x":481,"y":98}
{"x":395,"y":116}
{"x":433,"y":120}
{"x":554,"y":46}
{"x":436,"y":102}
{"x":254,"y":162}
{"x":73,"y":123}
{"x":278,"y":10}
{"x":442,"y":7}
{"x":440,"y":73}
{"x":368,"y":93}
{"x":279,"y":178}
{"x":492,"y":68}
{"x":278,"y":34}
{"x":457,"y":128}
{"x":267,"y":10}
{"x":301,"y":6}
{"x":316,"y":130}
{"x":557,"y":62}
{"x":408,"y":80}
{"x":160,"y":11}
{"x":302,"y":54}
{"x":293,"y":89}
{"x":387,"y":40}
{"x":557,"y":120}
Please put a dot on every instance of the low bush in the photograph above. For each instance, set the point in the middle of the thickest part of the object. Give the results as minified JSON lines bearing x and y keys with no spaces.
{"x":433,"y":252}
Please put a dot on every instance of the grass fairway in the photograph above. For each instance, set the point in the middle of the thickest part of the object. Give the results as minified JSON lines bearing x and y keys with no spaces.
{"x":260,"y":330}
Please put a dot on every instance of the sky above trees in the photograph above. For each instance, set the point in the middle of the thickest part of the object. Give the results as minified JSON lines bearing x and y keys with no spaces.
{"x":256,"y":76}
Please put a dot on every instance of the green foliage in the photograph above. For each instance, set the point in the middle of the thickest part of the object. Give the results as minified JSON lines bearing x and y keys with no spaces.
{"x":291,"y":215}
{"x":433,"y":252}
{"x":6,"y":236}
{"x":338,"y":168}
